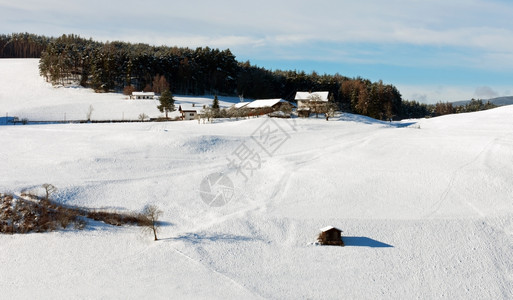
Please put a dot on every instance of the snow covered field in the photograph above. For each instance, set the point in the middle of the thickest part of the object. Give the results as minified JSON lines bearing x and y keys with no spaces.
{"x":24,"y":94}
{"x":426,"y":206}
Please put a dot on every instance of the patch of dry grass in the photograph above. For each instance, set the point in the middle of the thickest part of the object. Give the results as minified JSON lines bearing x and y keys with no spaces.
{"x":31,"y":213}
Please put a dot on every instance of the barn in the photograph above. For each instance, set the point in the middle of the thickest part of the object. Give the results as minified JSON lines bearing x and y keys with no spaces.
{"x":330,"y":236}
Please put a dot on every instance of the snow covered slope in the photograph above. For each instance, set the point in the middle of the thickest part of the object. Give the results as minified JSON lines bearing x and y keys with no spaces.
{"x":426,"y":207}
{"x":24,"y":94}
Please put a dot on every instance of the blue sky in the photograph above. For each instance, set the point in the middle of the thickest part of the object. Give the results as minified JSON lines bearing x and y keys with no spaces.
{"x":432,"y":50}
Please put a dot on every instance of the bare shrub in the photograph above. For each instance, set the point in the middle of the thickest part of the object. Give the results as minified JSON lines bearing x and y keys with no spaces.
{"x":143,"y":117}
{"x":64,"y":219}
{"x":117,"y":218}
{"x":79,"y":224}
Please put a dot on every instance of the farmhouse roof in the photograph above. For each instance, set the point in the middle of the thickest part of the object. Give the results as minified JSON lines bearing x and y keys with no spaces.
{"x":317,"y":96}
{"x":143,"y":94}
{"x":240,"y":104}
{"x":264,"y":103}
{"x":187,"y":107}
{"x":328,"y":228}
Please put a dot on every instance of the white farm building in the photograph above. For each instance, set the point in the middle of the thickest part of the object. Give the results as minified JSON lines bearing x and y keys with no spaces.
{"x":142,"y":95}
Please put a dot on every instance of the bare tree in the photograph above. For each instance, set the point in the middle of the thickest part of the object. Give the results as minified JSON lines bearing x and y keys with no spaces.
{"x":286,"y":108}
{"x":206,"y":113}
{"x":128,"y":90}
{"x":147,"y":88}
{"x":152,"y":213}
{"x":316,"y":105}
{"x":160,"y":84}
{"x":330,"y":109}
{"x":49,"y":189}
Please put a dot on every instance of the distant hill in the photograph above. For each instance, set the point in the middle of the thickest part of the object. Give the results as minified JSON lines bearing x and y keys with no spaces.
{"x":499,"y":101}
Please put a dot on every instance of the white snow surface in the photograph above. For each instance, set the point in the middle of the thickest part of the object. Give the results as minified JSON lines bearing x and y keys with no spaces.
{"x":426,"y":206}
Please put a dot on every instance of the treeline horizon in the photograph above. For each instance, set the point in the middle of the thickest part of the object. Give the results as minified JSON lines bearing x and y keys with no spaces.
{"x":22,"y":45}
{"x":118,"y":66}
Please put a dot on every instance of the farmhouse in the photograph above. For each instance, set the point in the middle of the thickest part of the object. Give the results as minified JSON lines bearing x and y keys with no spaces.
{"x":142,"y":95}
{"x":308,"y":102}
{"x":187,"y":114}
{"x":330,"y":236}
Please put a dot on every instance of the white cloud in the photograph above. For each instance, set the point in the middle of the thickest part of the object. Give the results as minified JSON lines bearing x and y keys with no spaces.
{"x":196,"y":40}
{"x":485,"y":92}
{"x":476,"y":23}
{"x":466,"y":34}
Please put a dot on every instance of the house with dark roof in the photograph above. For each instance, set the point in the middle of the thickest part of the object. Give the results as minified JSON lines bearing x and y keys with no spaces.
{"x":187,"y":114}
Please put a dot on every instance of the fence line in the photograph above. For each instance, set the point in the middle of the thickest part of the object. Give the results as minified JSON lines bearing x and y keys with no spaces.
{"x":65,"y":117}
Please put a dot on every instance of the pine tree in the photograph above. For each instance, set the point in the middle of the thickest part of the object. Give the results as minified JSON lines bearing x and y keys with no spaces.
{"x":215,"y":107}
{"x":167,"y":103}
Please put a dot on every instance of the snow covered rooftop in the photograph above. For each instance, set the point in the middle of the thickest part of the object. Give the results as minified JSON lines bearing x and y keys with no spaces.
{"x":324,"y":229}
{"x":307,"y":96}
{"x":240,"y":104}
{"x":143,"y":94}
{"x":264,"y":103}
{"x":187,"y":107}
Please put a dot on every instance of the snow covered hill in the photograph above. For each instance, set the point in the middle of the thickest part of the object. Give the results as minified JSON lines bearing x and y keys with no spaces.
{"x":24,"y":94}
{"x":426,"y":206}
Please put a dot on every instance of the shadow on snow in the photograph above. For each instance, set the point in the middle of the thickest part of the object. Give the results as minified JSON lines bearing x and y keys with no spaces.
{"x":362,"y":241}
{"x":368,"y":120}
{"x":196,"y":238}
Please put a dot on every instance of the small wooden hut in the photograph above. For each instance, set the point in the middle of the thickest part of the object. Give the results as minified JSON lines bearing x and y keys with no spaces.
{"x":330,"y":236}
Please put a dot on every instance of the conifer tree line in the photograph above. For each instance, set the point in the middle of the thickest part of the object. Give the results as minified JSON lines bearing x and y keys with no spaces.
{"x":22,"y":45}
{"x":121,"y":66}
{"x":414,"y":109}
